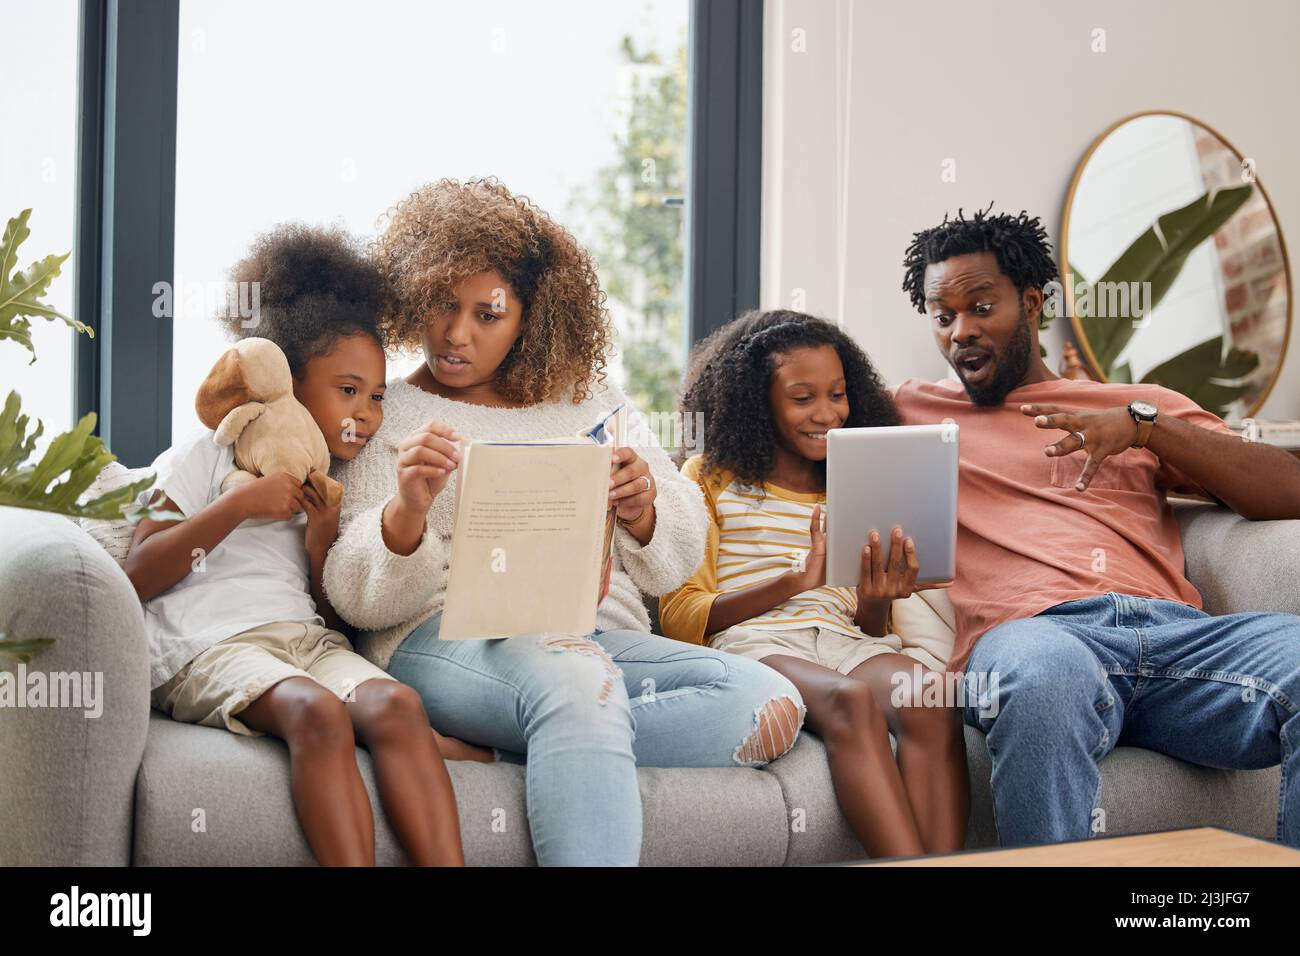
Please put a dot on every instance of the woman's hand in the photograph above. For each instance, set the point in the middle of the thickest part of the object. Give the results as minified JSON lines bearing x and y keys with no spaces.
{"x":632,"y":493}
{"x":631,"y":486}
{"x":813,"y":573}
{"x":425,"y":460}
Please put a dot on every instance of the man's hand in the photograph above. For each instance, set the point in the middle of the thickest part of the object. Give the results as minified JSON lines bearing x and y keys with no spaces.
{"x":1100,"y":434}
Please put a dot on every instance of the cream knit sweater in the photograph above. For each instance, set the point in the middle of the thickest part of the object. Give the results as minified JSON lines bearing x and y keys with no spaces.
{"x":386,"y":596}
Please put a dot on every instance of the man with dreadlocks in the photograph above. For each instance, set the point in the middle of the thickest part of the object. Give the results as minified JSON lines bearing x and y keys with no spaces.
{"x":1074,"y":618}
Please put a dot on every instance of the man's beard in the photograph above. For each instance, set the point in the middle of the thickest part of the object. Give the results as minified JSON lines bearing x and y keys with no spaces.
{"x":1013,"y":366}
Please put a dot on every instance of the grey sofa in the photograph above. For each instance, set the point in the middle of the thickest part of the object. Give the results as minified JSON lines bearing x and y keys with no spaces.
{"x":134,"y":787}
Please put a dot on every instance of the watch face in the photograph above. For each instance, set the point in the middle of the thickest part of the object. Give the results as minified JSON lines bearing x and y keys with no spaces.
{"x":1145,"y":409}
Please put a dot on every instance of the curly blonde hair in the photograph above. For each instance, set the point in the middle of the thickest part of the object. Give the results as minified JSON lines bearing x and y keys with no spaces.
{"x":445,"y":232}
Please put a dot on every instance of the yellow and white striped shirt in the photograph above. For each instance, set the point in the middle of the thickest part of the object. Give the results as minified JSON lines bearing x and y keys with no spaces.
{"x":755,"y":534}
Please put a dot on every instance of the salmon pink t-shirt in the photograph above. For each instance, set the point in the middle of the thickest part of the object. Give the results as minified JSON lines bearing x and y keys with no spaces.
{"x":1026,"y":539}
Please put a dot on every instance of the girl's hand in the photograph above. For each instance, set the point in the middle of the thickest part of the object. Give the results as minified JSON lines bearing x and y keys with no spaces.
{"x":322,"y":523}
{"x":813,"y":573}
{"x":274,"y":497}
{"x":631,"y":486}
{"x":425,"y":460}
{"x":887,"y":578}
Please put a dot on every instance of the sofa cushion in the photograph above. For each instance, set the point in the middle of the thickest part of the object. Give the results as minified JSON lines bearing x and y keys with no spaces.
{"x":66,"y":779}
{"x":207,"y":797}
{"x":1141,"y":791}
{"x":114,"y":536}
{"x":1237,"y":564}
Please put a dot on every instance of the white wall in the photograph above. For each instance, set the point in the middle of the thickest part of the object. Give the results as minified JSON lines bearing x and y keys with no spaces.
{"x":858,"y":126}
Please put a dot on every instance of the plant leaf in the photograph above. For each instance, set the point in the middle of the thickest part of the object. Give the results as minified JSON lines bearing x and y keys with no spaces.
{"x":74,"y":459}
{"x":20,"y":331}
{"x":15,"y":445}
{"x":21,"y":293}
{"x":77,"y":457}
{"x":1157,"y":256}
{"x":16,"y":232}
{"x":24,"y":650}
{"x":1205,"y":375}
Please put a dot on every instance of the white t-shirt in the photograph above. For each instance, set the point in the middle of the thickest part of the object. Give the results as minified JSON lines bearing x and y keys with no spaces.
{"x":258,"y":575}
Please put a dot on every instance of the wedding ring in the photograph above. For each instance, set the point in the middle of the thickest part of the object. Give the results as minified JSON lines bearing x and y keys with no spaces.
{"x":646,"y":479}
{"x":1082,"y":438}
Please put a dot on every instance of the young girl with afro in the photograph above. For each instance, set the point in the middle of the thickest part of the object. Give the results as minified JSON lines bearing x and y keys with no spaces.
{"x":245,"y":638}
{"x":770,"y":385}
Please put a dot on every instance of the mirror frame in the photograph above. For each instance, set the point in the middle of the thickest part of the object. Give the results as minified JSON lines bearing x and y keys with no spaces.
{"x":1064,"y":248}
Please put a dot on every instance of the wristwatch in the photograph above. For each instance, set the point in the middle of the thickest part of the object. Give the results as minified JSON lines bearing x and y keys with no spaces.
{"x":1144,"y":413}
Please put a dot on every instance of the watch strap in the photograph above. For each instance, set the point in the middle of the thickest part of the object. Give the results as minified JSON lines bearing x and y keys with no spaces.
{"x":1144,"y":426}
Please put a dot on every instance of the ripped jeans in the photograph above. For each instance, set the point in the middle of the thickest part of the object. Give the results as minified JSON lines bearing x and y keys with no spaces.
{"x":587,"y":711}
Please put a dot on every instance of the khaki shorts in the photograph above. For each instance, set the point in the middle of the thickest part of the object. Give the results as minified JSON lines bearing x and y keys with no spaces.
{"x":839,"y":652}
{"x":231,"y":674}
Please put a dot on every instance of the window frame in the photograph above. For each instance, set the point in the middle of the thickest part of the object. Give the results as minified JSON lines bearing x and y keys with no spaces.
{"x":126,"y":220}
{"x":725,"y":146}
{"x":126,"y":199}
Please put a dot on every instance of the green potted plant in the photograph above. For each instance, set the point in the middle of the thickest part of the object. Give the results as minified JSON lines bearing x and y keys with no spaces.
{"x":74,"y":459}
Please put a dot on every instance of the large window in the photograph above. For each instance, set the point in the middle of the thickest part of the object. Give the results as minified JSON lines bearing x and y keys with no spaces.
{"x":328,"y":112}
{"x":38,"y":100}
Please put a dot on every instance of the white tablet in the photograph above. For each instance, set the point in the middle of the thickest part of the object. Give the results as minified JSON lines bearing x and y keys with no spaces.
{"x":904,"y":475}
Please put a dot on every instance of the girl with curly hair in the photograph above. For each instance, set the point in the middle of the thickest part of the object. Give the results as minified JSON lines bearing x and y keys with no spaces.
{"x":507,"y":309}
{"x":770,"y":385}
{"x":251,"y":644}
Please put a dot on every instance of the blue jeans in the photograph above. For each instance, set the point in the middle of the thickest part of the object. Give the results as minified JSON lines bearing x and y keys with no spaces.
{"x":585,"y":712}
{"x":1064,"y":688}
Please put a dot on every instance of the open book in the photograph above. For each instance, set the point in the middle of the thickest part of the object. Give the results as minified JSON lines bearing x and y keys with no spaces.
{"x":532,"y":548}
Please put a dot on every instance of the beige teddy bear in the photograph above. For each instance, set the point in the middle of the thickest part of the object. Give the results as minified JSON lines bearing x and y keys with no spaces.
{"x":248,"y":400}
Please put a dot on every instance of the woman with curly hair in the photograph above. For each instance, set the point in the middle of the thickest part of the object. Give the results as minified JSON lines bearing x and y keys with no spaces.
{"x":770,"y":386}
{"x":507,"y":309}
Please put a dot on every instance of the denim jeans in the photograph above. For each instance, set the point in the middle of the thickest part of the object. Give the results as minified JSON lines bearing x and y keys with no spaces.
{"x":1064,"y":688}
{"x":586,"y":712}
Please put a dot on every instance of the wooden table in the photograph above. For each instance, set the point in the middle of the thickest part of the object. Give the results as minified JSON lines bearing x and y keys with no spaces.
{"x":1199,"y":846}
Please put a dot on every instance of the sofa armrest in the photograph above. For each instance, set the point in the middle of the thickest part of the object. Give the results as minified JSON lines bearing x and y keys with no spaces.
{"x":1238,"y":564}
{"x":67,"y":772}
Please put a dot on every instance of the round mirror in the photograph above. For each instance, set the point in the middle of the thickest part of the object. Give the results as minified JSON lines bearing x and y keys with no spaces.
{"x":1173,"y":266}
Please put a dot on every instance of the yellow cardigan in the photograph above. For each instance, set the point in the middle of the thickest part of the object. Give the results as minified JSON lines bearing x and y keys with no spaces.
{"x":684,"y":613}
{"x":925,"y":619}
